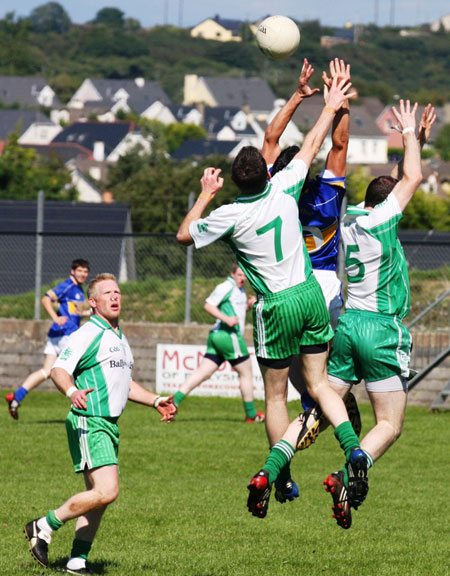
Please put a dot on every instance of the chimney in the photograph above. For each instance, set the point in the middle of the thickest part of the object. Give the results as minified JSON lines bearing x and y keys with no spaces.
{"x":99,"y":151}
{"x":107,"y":197}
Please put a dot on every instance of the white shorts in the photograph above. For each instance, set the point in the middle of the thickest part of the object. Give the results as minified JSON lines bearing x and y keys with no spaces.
{"x":332,"y":291}
{"x":55,"y":346}
{"x":392,"y":384}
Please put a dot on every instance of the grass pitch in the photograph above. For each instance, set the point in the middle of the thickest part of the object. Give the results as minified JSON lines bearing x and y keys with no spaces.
{"x":182,"y":508}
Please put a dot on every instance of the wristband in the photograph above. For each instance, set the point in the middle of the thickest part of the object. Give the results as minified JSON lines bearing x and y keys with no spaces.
{"x":205,"y":196}
{"x":70,"y":391}
{"x":408,"y":129}
{"x":156,"y":402}
{"x":329,"y":109}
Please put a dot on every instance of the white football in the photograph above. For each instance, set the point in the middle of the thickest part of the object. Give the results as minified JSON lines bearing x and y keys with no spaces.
{"x":278,"y":37}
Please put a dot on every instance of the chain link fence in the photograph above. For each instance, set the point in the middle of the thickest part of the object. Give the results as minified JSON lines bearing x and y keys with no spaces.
{"x":152,"y":271}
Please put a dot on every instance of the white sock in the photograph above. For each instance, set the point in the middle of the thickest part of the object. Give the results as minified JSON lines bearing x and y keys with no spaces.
{"x":76,"y":563}
{"x":44,"y":525}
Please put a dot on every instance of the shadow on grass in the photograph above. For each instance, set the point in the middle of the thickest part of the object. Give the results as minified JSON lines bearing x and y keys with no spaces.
{"x":95,"y":567}
{"x":46,"y":422}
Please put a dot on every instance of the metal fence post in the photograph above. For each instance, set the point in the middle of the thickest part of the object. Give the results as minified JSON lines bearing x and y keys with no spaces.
{"x":189,"y":261}
{"x":39,"y":247}
{"x":341,"y":255}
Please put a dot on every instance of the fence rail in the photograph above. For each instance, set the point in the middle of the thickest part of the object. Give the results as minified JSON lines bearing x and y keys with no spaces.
{"x":159,"y":279}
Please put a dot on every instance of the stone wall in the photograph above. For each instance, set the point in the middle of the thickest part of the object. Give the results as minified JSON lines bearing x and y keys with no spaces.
{"x":22,"y":346}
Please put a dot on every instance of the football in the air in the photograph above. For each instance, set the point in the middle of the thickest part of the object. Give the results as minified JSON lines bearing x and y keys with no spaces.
{"x":278,"y":37}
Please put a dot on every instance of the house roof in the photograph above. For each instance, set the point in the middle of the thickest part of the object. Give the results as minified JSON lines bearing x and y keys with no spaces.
{"x":21,"y":120}
{"x":215,"y":119}
{"x":180,"y":112}
{"x":23,"y":90}
{"x":62,"y":150}
{"x":141,"y":96}
{"x":202,"y":148}
{"x":234,"y":25}
{"x":362,"y":121}
{"x":239,"y":92}
{"x":78,"y":226}
{"x":86,"y":134}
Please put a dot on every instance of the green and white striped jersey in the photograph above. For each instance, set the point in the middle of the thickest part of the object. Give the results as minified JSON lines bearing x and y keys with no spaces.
{"x":232,"y":301}
{"x":264,"y":232}
{"x":98,"y":357}
{"x":375,"y":263}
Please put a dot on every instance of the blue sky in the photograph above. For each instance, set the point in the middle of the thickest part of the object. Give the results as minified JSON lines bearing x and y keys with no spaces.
{"x":191,"y":12}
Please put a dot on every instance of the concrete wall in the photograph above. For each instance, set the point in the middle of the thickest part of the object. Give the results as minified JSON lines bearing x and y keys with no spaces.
{"x":22,"y":346}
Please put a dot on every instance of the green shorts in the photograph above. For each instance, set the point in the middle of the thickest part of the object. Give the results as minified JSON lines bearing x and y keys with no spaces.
{"x":93,"y":441}
{"x":226,"y":345}
{"x":285,"y":321}
{"x":372,"y":347}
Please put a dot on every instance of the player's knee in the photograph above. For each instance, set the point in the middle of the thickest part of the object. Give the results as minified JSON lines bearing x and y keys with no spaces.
{"x":107,"y":495}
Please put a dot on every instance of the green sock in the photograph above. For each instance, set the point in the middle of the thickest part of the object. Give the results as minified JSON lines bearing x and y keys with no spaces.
{"x":347,"y":438}
{"x":54,"y":522}
{"x":178,"y":397}
{"x":284,"y":475}
{"x":250,"y":410}
{"x":80,"y":549}
{"x":280,"y":455}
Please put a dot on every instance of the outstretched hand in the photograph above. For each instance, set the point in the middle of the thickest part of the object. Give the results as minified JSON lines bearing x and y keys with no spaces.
{"x":406,"y":117}
{"x":303,"y":87}
{"x":426,"y":122}
{"x":211,"y":182}
{"x":339,"y":70}
{"x":337,"y":93}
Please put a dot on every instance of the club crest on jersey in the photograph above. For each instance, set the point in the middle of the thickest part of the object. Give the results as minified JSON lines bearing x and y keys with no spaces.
{"x":203,"y":227}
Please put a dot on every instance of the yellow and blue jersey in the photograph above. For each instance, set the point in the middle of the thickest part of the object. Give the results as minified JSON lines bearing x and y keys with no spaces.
{"x":319,"y":211}
{"x":70,"y":297}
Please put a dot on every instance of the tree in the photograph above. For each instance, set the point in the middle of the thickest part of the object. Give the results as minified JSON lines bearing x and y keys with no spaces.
{"x":110,"y":17}
{"x":16,"y":54}
{"x":50,"y":17}
{"x":442,"y":143}
{"x":179,"y":132}
{"x":23,"y":173}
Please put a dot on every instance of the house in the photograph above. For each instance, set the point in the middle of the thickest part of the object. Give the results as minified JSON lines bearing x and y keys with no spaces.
{"x":27,"y":92}
{"x":106,"y":97}
{"x":345,"y":35}
{"x":367,"y":144}
{"x":253,"y":94}
{"x":96,"y":145}
{"x":170,"y":114}
{"x":231,"y":123}
{"x":386,"y":120}
{"x":196,"y":149}
{"x":32,"y":126}
{"x":69,"y":230}
{"x":442,"y":23}
{"x":219,"y":29}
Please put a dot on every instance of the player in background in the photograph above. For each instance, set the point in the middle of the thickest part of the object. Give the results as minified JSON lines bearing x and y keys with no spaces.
{"x":290,"y":315}
{"x":228,"y":303}
{"x":95,"y":372}
{"x":371,"y":343}
{"x":69,"y":296}
{"x":319,"y":212}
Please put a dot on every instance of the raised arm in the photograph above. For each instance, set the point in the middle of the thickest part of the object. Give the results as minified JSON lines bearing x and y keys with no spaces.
{"x":412,"y":172}
{"x":334,"y":97}
{"x":337,"y":157}
{"x":426,"y":122}
{"x":211,"y":182}
{"x":271,"y":147}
